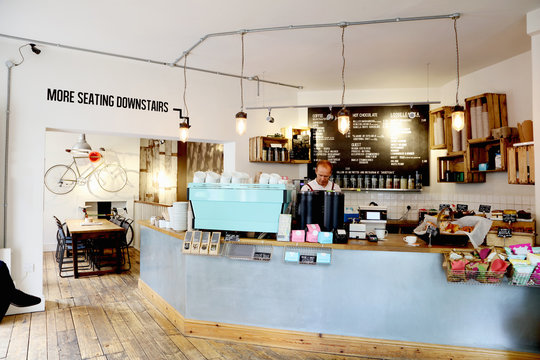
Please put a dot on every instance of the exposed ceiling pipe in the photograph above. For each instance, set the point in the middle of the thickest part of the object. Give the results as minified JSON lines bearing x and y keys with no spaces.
{"x":251,"y":78}
{"x":315,"y":26}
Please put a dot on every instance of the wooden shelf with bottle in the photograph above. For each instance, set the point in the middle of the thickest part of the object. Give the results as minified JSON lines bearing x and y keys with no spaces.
{"x":453,"y":169}
{"x":491,"y":152}
{"x":268,"y":149}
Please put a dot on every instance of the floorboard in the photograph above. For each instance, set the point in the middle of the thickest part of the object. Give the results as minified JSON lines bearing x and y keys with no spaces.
{"x":107,"y":318}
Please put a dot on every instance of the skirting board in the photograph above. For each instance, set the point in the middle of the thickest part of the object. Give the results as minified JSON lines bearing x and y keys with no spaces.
{"x":333,"y":344}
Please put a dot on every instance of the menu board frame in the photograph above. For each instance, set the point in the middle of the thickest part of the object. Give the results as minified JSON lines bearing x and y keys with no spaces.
{"x":383,"y":140}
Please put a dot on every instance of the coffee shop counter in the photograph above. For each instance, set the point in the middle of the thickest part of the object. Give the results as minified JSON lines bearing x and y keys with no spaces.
{"x":386,"y":296}
{"x":393,"y":242}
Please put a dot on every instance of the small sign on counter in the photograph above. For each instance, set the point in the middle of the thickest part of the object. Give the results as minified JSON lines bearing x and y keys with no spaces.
{"x":504,"y":232}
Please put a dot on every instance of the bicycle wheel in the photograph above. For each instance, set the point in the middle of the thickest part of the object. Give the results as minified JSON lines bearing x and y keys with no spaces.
{"x":60,"y":179}
{"x":112,"y":177}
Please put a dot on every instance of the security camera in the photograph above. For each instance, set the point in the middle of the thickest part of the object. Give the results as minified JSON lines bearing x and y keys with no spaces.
{"x":35,"y":50}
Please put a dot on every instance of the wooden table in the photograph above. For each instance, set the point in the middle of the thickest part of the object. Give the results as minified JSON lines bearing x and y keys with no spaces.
{"x":106,"y":229}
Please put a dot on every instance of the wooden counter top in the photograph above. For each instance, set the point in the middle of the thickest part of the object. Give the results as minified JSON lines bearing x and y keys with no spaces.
{"x":394,"y":242}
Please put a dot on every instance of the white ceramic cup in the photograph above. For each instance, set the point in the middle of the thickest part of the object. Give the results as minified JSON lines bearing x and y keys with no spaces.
{"x":381,"y":233}
{"x":410,"y":239}
{"x":88,"y":220}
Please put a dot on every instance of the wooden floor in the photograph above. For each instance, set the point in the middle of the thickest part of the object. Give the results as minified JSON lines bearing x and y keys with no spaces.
{"x":107,"y":318}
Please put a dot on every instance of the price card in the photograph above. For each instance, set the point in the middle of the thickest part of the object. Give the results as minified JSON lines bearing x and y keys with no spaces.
{"x":308,"y":259}
{"x":509,"y":218}
{"x":292,"y":256}
{"x":504,"y":233}
{"x":462,"y":207}
{"x":323,"y":258}
{"x":442,"y":206}
{"x":263,"y":256}
{"x":484,"y":208}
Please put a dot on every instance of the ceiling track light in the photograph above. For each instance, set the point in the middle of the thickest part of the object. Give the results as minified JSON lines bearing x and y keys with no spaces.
{"x":458,"y":112}
{"x":269,"y":118}
{"x":241,"y":116}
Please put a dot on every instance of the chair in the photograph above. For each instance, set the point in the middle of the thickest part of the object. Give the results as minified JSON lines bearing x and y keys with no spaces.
{"x":64,"y":247}
{"x":126,"y":240}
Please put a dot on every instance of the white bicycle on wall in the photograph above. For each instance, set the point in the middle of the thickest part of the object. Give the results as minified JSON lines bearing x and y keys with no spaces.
{"x":61,"y":179}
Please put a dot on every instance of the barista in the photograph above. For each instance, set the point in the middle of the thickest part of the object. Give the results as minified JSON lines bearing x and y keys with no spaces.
{"x":322,"y":181}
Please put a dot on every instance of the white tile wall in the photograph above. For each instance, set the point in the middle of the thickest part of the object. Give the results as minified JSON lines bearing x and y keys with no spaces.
{"x":397,"y":202}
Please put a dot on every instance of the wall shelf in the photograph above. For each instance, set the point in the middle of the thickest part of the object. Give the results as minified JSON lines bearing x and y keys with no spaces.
{"x":452,"y":169}
{"x":483,"y":151}
{"x":521,"y":164}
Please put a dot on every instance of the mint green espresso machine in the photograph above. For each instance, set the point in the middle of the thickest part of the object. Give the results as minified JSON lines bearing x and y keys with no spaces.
{"x":238,"y":207}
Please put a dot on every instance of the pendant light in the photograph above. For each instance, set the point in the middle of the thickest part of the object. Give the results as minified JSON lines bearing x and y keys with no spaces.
{"x":81,"y":143}
{"x":184,"y":125}
{"x":343,"y":115}
{"x":458,"y":112}
{"x":241,"y":116}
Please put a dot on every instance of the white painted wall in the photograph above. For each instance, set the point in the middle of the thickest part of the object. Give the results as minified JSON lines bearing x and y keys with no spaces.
{"x":118,"y":149}
{"x":213,"y":101}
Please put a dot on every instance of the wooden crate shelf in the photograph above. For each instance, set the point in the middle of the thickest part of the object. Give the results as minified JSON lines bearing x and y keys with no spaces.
{"x":483,"y":151}
{"x":521,"y":164}
{"x":445,"y":113}
{"x":257,"y":144}
{"x":453,"y":169}
{"x":299,"y":144}
{"x":495,"y":104}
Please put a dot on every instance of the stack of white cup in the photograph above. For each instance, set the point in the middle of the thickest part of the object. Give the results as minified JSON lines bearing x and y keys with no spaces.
{"x":178,"y":215}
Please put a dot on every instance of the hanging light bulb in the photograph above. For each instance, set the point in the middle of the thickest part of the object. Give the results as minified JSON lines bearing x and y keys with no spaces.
{"x":241,"y":116}
{"x":183,"y":126}
{"x":458,"y":118}
{"x":241,"y":122}
{"x":343,"y":115}
{"x":458,"y":113}
{"x":344,"y":120}
{"x":184,"y":131}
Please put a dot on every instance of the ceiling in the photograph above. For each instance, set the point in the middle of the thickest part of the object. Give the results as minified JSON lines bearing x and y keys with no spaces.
{"x":392,"y":55}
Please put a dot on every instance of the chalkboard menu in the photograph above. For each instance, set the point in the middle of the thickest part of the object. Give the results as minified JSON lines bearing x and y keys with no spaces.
{"x":382,"y":140}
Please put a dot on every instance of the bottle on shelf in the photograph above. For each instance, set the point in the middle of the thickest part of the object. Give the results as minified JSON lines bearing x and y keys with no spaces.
{"x":418,"y":181}
{"x":360,"y":181}
{"x":367,"y":181}
{"x":410,"y":183}
{"x":396,"y":182}
{"x":374,"y":182}
{"x":382,"y":184}
{"x":389,"y":182}
{"x":403,"y":182}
